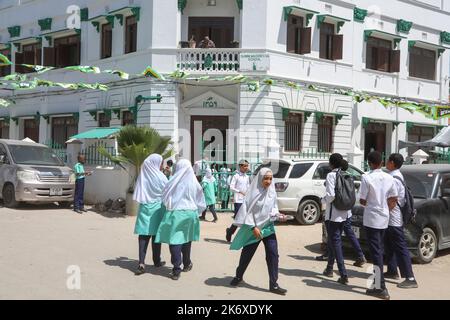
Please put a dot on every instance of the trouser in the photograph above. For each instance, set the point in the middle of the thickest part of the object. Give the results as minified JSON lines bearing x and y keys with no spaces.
{"x":271,"y":246}
{"x":375,"y":239}
{"x":143,"y":245}
{"x":180,"y":253}
{"x":213,"y":211}
{"x":237,"y":206}
{"x":335,"y":246}
{"x":350,"y":234}
{"x":78,"y":201}
{"x":397,"y":253}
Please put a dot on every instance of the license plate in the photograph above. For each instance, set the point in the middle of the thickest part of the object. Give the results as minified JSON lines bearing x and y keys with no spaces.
{"x":56,"y":191}
{"x":356,"y":231}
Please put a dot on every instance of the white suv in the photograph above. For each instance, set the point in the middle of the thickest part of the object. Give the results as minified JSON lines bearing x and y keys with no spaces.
{"x":300,"y":184}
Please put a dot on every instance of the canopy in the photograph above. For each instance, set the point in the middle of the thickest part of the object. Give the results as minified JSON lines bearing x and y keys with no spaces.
{"x":441,"y":140}
{"x":97,"y":133}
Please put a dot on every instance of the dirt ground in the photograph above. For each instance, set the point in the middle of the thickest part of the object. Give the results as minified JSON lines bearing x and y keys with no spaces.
{"x":39,"y":244}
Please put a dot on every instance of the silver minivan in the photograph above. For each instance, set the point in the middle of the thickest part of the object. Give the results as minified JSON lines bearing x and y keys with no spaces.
{"x":31,"y":172}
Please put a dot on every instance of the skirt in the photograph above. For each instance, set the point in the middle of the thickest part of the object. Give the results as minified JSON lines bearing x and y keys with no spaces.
{"x":149,"y":218}
{"x":179,"y":227}
{"x":245,"y":236}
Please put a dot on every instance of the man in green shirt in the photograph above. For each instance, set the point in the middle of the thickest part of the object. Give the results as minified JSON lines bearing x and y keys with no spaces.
{"x":80,"y":174}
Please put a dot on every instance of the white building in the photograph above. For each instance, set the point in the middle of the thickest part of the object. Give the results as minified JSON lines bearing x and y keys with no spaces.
{"x":334,"y":43}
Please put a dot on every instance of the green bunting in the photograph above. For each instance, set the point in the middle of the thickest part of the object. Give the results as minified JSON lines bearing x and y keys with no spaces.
{"x":253,"y":86}
{"x":269,"y":82}
{"x":4,"y":103}
{"x":84,"y":69}
{"x":4,"y":61}
{"x":149,"y":72}
{"x":121,"y":74}
{"x":38,"y":69}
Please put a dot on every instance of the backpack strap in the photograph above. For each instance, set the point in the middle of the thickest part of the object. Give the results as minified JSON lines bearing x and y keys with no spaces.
{"x":404,"y":186}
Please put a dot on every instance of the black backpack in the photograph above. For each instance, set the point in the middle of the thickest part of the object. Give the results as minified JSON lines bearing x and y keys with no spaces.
{"x":345,"y":194}
{"x":408,"y":211}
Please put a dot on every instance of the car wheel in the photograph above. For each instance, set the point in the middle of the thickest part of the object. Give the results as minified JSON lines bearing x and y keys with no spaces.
{"x":308,"y":212}
{"x":9,"y":196}
{"x":428,"y":245}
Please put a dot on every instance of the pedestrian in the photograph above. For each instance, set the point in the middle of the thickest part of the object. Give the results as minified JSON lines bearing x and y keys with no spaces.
{"x":239,"y":186}
{"x":224,"y":186}
{"x":256,"y":219}
{"x":209,"y":189}
{"x":148,"y":192}
{"x":168,"y":169}
{"x":378,"y":195}
{"x":184,"y":201}
{"x":80,"y":175}
{"x":395,"y":244}
{"x":335,"y":220}
{"x":207,"y":43}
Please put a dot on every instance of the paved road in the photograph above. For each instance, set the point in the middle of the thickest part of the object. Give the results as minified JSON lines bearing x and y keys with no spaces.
{"x":38,"y":244}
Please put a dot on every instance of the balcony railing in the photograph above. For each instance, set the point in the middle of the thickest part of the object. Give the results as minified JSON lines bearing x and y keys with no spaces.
{"x":209,"y":60}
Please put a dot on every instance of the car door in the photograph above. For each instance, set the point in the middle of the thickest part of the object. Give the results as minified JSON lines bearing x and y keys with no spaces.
{"x":4,"y":166}
{"x":357,"y":176}
{"x":445,"y":213}
{"x":319,"y":178}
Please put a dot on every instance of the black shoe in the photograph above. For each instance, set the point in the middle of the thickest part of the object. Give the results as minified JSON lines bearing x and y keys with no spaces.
{"x":360,"y":262}
{"x":343,"y":280}
{"x":228,"y":235}
{"x":78,"y":211}
{"x":235,"y":282}
{"x":408,"y":284}
{"x":215,"y":220}
{"x":160,"y":264}
{"x":175,"y":276}
{"x":188,"y":268}
{"x":392,"y":276}
{"x":322,"y":258}
{"x":84,"y":210}
{"x":202,"y":218}
{"x":378,"y":293}
{"x":140,"y":270}
{"x":328,"y":273}
{"x":278,"y":290}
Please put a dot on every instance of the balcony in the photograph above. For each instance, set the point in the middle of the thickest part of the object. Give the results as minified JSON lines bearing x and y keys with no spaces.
{"x":208,"y":60}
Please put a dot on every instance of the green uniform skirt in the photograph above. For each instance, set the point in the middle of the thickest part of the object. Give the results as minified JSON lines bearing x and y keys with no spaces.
{"x":245,"y":236}
{"x":179,"y":227}
{"x":149,"y":217}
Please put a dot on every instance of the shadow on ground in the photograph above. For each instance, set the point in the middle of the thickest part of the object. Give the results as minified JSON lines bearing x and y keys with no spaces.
{"x":219,"y":241}
{"x":131,"y":265}
{"x":225,"y":282}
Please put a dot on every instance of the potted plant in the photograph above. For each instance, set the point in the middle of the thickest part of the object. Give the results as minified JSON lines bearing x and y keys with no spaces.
{"x":135,"y":144}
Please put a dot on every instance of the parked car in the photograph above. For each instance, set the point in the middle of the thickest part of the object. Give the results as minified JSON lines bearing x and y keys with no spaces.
{"x":430,"y":230}
{"x":31,"y":172}
{"x":300,"y":184}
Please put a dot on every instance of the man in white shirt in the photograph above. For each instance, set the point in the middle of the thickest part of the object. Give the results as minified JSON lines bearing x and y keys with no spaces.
{"x":378,"y":195}
{"x":396,"y":246}
{"x":239,"y":186}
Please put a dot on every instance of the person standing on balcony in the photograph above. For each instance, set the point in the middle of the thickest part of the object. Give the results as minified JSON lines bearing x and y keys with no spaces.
{"x":148,"y":192}
{"x":80,"y":175}
{"x":239,"y":186}
{"x":209,"y":188}
{"x":184,"y":201}
{"x":207,"y":43}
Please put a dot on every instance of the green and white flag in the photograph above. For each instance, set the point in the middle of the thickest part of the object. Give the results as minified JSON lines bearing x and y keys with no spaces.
{"x":4,"y":103}
{"x":149,"y":72}
{"x":4,"y":61}
{"x":121,"y":74}
{"x":253,"y":86}
{"x":84,"y":69}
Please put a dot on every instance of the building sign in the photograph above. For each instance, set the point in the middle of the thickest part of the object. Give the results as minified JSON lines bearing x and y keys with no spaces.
{"x":210,"y":103}
{"x":442,"y":112}
{"x":254,"y":62}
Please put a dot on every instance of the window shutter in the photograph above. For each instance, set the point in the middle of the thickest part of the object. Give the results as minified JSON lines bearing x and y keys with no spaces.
{"x":28,"y":57}
{"x":338,"y":43}
{"x":290,"y":36}
{"x":38,"y":56}
{"x":383,"y":59}
{"x":49,"y":57}
{"x":323,"y":46}
{"x":305,"y":40}
{"x":395,"y":61}
{"x":19,"y":60}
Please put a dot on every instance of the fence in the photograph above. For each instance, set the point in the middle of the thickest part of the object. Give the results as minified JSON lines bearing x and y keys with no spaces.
{"x":94,"y":157}
{"x":58,"y":149}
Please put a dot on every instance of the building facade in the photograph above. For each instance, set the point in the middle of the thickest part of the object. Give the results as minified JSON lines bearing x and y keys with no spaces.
{"x":393,"y":49}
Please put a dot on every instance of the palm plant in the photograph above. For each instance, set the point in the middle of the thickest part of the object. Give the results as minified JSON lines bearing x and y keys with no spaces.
{"x":135,"y":144}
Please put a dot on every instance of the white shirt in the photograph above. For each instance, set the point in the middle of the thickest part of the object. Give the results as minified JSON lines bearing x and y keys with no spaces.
{"x":239,"y":183}
{"x":336,"y":215}
{"x":199,"y":167}
{"x":396,"y":218}
{"x":376,"y":187}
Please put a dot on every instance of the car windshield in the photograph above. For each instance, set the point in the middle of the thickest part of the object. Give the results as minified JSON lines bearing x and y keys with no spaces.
{"x":420,"y":183}
{"x":31,"y":155}
{"x":279,"y":169}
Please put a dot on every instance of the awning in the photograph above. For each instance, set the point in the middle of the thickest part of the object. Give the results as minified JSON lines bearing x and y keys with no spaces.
{"x":383,"y":35}
{"x":49,"y":36}
{"x":298,"y":11}
{"x":97,"y":21}
{"x":337,"y":116}
{"x":97,"y":133}
{"x":410,"y":124}
{"x":306,"y":113}
{"x":442,"y":139}
{"x":126,"y":11}
{"x":321,"y":18}
{"x":47,"y":116}
{"x":366,"y":121}
{"x":427,"y":45}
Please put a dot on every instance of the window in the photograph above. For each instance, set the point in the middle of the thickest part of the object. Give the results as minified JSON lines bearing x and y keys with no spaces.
{"x":354,"y":173}
{"x":4,"y":129}
{"x":31,"y":129}
{"x":4,"y":154}
{"x":321,"y":172}
{"x":127,"y":118}
{"x":31,"y":54}
{"x":298,"y":38}
{"x":422,"y":63}
{"x":130,"y":34}
{"x":293,"y":132}
{"x":299,"y":170}
{"x":331,"y":44}
{"x":5,"y":70}
{"x":381,"y":57}
{"x":325,"y":127}
{"x":106,"y":41}
{"x":279,"y":168}
{"x":220,"y":30}
{"x":420,"y":134}
{"x":65,"y":53}
{"x":104,"y":120}
{"x":63,"y":128}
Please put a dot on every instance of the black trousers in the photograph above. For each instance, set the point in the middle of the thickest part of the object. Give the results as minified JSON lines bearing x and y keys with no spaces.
{"x":180,"y":253}
{"x":271,"y":246}
{"x":237,"y":206}
{"x":397,"y":253}
{"x":335,"y":252}
{"x":213,"y":211}
{"x":375,"y":239}
{"x":143,"y":246}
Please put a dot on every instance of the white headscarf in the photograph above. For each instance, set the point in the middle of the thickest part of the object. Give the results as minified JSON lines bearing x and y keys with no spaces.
{"x":151,"y":181}
{"x":183,"y":192}
{"x":209,"y":176}
{"x":260,"y":204}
